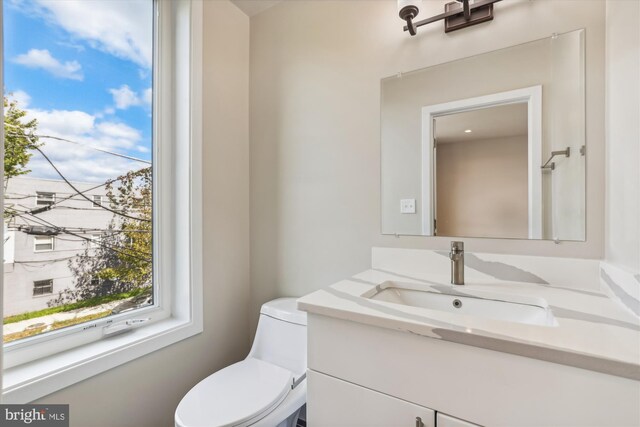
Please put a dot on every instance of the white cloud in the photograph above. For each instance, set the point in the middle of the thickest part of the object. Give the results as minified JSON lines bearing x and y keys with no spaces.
{"x":63,"y":122}
{"x":41,"y":58}
{"x":119,"y":131}
{"x":124,"y":97}
{"x":148,"y":96}
{"x":123,"y":28}
{"x":21,"y":97}
{"x":80,"y":162}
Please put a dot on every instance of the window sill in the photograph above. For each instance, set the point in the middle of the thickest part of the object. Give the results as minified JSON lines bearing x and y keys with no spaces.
{"x":31,"y":381}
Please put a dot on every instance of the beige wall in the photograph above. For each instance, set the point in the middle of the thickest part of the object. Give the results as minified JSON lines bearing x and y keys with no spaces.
{"x":623,"y":133}
{"x":315,"y":130}
{"x":145,"y":392}
{"x":482,"y":188}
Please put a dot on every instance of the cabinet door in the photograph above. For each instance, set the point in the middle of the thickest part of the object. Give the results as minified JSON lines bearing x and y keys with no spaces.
{"x":447,"y":421}
{"x":335,"y":403}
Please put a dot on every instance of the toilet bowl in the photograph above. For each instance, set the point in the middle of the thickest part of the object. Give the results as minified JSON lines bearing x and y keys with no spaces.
{"x":267,"y":389}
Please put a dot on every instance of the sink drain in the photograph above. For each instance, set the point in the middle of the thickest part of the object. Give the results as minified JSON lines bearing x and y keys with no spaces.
{"x":457,"y":303}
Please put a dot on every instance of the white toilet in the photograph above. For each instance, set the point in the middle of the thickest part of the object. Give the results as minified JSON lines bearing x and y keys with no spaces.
{"x":267,"y":389}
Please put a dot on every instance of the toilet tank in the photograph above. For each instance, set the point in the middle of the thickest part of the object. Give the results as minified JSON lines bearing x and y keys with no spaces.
{"x":281,"y":337}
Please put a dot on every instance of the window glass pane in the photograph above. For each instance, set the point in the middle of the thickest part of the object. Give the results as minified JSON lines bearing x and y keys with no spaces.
{"x":77,"y":174}
{"x":43,"y":243}
{"x":45,"y":199}
{"x":42,"y":287}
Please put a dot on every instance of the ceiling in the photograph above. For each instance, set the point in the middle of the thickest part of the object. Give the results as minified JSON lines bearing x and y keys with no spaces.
{"x":253,"y":7}
{"x":487,"y":123}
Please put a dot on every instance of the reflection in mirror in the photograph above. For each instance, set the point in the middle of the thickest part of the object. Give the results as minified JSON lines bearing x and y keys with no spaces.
{"x":488,"y":146}
{"x":481,"y":181}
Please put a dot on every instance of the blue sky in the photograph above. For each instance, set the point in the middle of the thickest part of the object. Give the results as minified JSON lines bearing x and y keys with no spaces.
{"x":83,"y":69}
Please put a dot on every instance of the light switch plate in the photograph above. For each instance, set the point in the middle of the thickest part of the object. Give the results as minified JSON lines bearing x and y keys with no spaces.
{"x":408,"y":206}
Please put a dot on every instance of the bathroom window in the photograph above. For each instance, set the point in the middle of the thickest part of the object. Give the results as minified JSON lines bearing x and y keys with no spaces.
{"x":78,"y":129}
{"x":75,"y":129}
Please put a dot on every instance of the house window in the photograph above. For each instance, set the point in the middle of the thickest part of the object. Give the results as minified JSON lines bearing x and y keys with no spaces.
{"x":45,"y":199}
{"x":158,"y":63}
{"x":97,"y":201}
{"x":94,"y":241}
{"x":43,"y":243}
{"x":42,"y":287}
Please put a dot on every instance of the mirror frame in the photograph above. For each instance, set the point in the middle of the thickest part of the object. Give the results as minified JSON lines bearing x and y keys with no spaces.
{"x":532,"y":96}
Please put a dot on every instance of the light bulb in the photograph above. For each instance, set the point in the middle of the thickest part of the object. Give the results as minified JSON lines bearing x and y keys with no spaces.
{"x":409,"y":6}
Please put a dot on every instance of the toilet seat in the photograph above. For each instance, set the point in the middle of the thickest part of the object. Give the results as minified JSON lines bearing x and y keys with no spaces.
{"x":237,"y":395}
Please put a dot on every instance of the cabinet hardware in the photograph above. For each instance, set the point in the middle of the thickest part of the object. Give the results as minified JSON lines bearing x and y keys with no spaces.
{"x":419,"y":422}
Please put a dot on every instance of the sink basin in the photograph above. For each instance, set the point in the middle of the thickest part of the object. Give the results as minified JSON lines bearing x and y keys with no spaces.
{"x":490,"y":305}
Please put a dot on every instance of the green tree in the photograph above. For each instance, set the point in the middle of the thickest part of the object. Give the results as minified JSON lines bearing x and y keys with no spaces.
{"x":121,"y":260}
{"x":132,"y":196}
{"x":19,"y":140}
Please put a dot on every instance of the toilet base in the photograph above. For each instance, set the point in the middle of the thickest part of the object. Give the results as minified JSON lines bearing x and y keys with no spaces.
{"x":287,"y":413}
{"x":291,"y":421}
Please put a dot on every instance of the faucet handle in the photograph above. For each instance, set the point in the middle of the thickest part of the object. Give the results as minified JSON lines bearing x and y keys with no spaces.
{"x":457,"y":247}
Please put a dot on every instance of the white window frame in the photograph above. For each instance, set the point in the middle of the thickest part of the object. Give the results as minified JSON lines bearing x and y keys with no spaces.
{"x":51,"y":239}
{"x":94,"y":240}
{"x":532,"y":96}
{"x":38,"y":366}
{"x":47,"y":201}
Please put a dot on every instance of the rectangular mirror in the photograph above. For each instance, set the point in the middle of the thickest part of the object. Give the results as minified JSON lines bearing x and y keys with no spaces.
{"x":488,"y":146}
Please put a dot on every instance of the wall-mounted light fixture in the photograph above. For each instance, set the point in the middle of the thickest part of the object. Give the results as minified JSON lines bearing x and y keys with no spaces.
{"x":457,"y":15}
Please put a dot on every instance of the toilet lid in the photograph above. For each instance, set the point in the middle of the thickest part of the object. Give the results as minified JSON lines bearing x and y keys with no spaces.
{"x":234,"y":395}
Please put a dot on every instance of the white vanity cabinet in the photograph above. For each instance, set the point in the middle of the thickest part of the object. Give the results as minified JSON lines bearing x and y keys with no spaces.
{"x":335,"y":403}
{"x":369,"y":375}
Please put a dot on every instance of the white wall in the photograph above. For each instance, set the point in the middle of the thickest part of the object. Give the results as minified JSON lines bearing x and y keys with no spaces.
{"x":315,"y":130}
{"x":145,"y":392}
{"x":623,"y":134}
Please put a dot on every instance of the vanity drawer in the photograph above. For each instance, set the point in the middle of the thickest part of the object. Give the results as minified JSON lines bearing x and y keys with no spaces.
{"x":443,"y":420}
{"x":335,"y":403}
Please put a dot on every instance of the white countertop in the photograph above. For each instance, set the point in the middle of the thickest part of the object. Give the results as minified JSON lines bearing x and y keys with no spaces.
{"x":594,"y":332}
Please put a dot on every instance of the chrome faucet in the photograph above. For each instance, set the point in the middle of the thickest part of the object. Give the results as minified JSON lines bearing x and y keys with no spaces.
{"x":457,"y":263}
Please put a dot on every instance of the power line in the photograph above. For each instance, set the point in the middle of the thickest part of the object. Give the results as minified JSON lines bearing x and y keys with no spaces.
{"x":73,"y":208}
{"x":54,"y":204}
{"x":71,"y":196}
{"x":96,"y":242}
{"x":47,"y":261}
{"x":107,"y":182}
{"x":81,"y":194}
{"x":63,"y":230}
{"x":87,"y":230}
{"x":56,"y":138}
{"x":22,"y":196}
